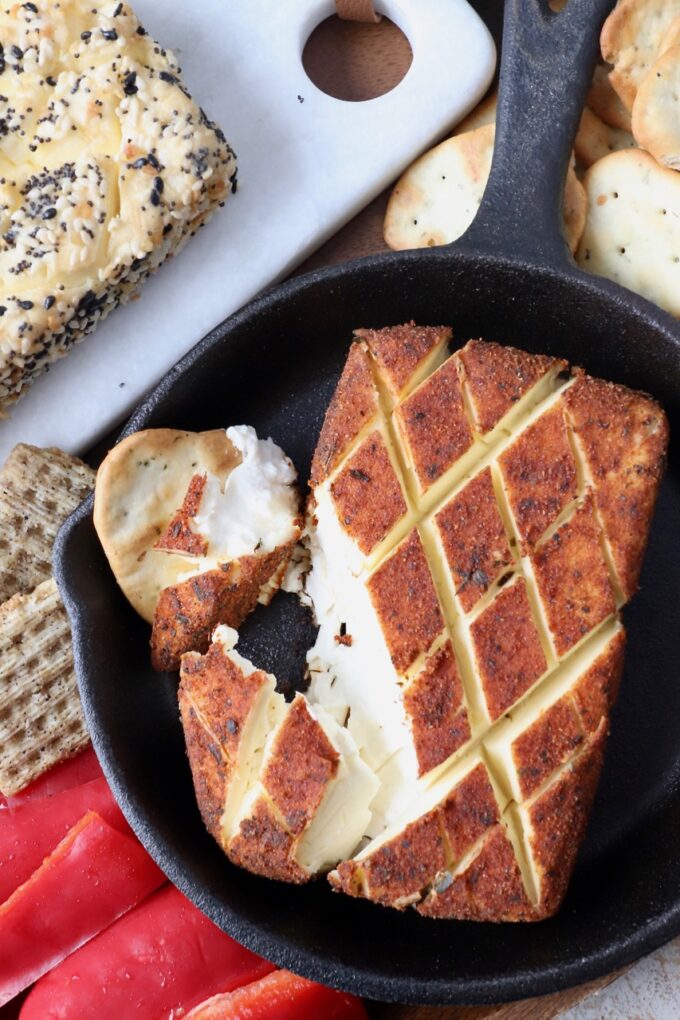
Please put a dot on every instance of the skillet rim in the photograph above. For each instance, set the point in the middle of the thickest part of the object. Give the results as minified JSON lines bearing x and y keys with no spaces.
{"x":655,"y":930}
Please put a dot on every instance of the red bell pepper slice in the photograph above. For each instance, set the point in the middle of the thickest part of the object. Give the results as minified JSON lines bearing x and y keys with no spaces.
{"x":164,"y":955}
{"x":30,"y":832}
{"x":75,"y":771}
{"x":95,"y":874}
{"x":281,"y":996}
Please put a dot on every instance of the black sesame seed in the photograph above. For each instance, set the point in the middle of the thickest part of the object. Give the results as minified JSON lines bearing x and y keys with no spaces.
{"x":141,"y":30}
{"x":25,"y":305}
{"x":139,"y":163}
{"x":50,"y":213}
{"x":167,"y":228}
{"x":2,"y":309}
{"x":117,"y":11}
{"x":155,"y":198}
{"x":109,"y":34}
{"x":129,"y":86}
{"x":49,"y":301}
{"x":151,"y":159}
{"x":166,"y":76}
{"x":17,"y":53}
{"x":158,"y":185}
{"x":31,"y":7}
{"x":86,"y":36}
{"x":51,"y":81}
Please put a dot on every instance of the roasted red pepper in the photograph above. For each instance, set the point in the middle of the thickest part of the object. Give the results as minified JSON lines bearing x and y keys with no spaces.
{"x":164,"y":955}
{"x":31,"y":831}
{"x":281,"y":996}
{"x":66,"y":774}
{"x":93,"y":876}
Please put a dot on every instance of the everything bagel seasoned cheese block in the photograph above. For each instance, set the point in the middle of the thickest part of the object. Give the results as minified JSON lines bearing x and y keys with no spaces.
{"x":475,"y":523}
{"x":107,"y":166}
{"x":197,"y":527}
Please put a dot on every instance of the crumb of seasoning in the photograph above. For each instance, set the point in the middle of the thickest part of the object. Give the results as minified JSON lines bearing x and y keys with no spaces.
{"x":300,"y":99}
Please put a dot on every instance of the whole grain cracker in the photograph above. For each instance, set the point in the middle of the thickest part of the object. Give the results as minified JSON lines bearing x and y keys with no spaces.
{"x":631,"y":39}
{"x":632,"y":232}
{"x":437,"y":198}
{"x":603,"y":100}
{"x":41,"y":719}
{"x":39,"y":488}
{"x":656,"y":111}
{"x":595,"y":139}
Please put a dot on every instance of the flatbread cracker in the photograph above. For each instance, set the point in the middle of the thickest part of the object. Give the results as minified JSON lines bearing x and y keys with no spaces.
{"x":632,"y":232}
{"x":140,"y":485}
{"x":38,"y":490}
{"x":656,"y":112}
{"x":437,"y":198}
{"x":631,"y":38}
{"x":671,"y":38}
{"x":595,"y":139}
{"x":41,"y":719}
{"x":605,"y":103}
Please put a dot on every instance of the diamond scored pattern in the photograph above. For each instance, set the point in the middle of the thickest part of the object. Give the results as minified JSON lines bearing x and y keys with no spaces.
{"x":489,"y":591}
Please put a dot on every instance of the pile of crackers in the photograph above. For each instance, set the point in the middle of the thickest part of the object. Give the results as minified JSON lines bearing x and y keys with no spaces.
{"x":622,"y":191}
{"x":41,"y":720}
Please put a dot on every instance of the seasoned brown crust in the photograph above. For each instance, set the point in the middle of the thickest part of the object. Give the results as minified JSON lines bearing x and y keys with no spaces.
{"x":178,"y":536}
{"x":545,"y":745}
{"x":433,"y":424}
{"x":595,"y":692}
{"x":434,"y":706}
{"x":210,"y":768}
{"x":508,"y":650}
{"x":573,"y":580}
{"x":539,"y":475}
{"x":624,"y":436}
{"x":187,"y":613}
{"x":558,"y":819}
{"x":468,"y":811}
{"x":497,"y":376}
{"x":222,"y":694}
{"x":353,"y":405}
{"x":474,"y":539}
{"x":263,"y":846}
{"x":399,"y":870}
{"x":367,"y":494}
{"x":405,"y":600}
{"x":300,"y":766}
{"x":490,"y":888}
{"x":399,"y":350}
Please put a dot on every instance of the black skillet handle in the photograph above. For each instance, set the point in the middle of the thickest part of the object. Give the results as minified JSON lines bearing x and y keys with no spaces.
{"x":547,"y":62}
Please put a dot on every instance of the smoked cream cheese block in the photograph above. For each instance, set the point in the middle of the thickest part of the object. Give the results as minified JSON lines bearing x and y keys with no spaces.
{"x":107,"y":166}
{"x":475,"y":523}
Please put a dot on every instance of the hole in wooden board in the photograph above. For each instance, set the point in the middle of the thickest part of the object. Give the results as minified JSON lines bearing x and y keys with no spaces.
{"x":355,"y":61}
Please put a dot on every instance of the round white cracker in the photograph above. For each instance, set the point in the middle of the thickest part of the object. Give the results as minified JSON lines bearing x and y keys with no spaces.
{"x":631,"y":38}
{"x":632,"y":232}
{"x":437,"y":198}
{"x":656,"y":112}
{"x":595,"y":139}
{"x":140,"y":486}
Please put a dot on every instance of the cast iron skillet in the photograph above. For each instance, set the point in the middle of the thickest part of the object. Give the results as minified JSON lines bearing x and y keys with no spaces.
{"x":274,"y":365}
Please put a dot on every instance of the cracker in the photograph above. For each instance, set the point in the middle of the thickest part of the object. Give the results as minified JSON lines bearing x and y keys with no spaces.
{"x":632,"y":232}
{"x":437,"y":198}
{"x":631,"y":38}
{"x":140,"y":485}
{"x":41,"y":719}
{"x":604,"y":102}
{"x":656,"y":112}
{"x":595,"y":139}
{"x":671,"y":38}
{"x":38,"y":490}
{"x":484,"y":113}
